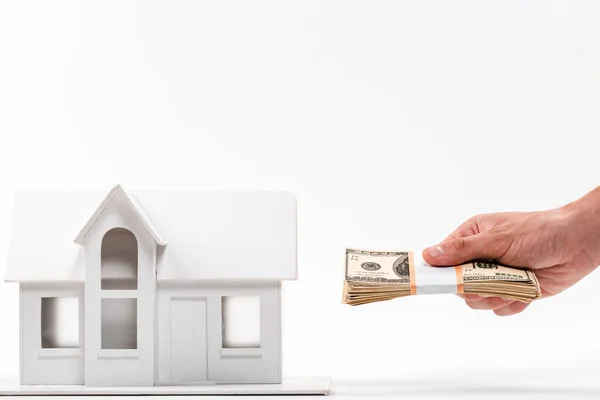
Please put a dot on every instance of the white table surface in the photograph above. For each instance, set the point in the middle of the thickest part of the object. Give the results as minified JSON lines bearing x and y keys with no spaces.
{"x":458,"y":390}
{"x":422,"y":390}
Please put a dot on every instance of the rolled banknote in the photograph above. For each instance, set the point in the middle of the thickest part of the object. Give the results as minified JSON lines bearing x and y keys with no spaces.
{"x":372,"y":276}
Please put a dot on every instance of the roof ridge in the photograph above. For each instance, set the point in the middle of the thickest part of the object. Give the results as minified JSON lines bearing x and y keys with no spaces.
{"x":135,"y":205}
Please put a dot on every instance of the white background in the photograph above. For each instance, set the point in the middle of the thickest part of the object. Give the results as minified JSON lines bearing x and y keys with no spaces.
{"x":392,"y":122}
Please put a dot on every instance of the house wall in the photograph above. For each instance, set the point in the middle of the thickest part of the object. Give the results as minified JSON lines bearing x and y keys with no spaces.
{"x":49,"y":365}
{"x":230,"y":365}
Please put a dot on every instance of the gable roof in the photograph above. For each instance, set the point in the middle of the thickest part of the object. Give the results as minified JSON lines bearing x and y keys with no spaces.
{"x":235,"y":235}
{"x":135,"y":206}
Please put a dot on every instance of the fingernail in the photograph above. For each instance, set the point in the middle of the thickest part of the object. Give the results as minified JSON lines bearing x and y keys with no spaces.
{"x":434,"y":251}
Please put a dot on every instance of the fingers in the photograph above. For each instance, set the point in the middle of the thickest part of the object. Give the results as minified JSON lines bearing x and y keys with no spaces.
{"x":490,"y":244}
{"x":500,"y":306}
{"x":511,"y":309}
{"x":489,"y":303}
{"x":471,"y":297}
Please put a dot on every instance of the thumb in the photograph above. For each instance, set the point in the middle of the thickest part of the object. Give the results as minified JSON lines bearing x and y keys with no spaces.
{"x":460,"y":250}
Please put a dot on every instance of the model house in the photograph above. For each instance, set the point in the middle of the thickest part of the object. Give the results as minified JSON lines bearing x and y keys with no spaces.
{"x":151,"y":288}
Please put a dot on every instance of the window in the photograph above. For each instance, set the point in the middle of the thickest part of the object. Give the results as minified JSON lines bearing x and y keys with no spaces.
{"x":119,"y":271}
{"x":119,"y":260}
{"x":60,"y":322}
{"x":241,"y":322}
{"x":119,"y":324}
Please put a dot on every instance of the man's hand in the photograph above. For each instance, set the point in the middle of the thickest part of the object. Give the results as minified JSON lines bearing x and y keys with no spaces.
{"x":561,"y":246}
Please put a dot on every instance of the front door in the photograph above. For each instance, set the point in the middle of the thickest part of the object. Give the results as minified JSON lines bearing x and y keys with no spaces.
{"x":188,"y":340}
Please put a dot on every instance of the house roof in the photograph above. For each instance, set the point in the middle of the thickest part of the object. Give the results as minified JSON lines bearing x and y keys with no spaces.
{"x":210,"y":234}
{"x":135,"y":206}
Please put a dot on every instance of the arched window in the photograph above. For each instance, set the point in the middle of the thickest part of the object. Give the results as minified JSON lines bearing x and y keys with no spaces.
{"x":119,"y":260}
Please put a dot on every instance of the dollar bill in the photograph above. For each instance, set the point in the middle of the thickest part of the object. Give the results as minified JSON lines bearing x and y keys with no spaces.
{"x":377,"y":267}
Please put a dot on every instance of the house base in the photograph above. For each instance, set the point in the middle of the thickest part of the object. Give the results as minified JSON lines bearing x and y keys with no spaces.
{"x":289,"y":386}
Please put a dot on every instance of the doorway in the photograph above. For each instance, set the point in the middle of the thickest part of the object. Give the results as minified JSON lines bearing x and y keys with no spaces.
{"x":188,"y":340}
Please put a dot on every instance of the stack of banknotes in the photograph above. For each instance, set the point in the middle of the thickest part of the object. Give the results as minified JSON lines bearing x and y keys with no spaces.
{"x":373,"y":276}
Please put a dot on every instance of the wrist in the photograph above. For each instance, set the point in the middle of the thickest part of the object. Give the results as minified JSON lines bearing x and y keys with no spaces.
{"x":583,"y":216}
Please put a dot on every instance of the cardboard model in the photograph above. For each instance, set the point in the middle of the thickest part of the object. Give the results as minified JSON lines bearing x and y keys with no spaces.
{"x":158,"y":288}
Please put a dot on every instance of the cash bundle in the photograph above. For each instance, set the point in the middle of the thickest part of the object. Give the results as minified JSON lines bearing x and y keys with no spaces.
{"x":372,"y":276}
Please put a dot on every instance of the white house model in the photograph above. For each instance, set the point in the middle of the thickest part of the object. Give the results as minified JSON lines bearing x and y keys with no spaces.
{"x":151,"y":288}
